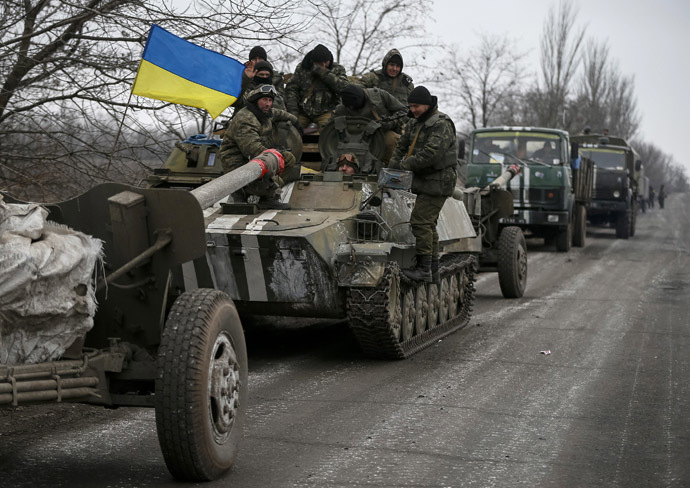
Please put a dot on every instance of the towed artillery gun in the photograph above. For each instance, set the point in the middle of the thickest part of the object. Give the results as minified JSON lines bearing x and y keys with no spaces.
{"x":503,"y":247}
{"x":157,"y":340}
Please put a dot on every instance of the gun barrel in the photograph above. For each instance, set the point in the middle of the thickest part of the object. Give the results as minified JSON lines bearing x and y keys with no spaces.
{"x":504,"y":178}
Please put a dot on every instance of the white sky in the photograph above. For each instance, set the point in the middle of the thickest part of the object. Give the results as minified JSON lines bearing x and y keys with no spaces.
{"x":649,"y":39}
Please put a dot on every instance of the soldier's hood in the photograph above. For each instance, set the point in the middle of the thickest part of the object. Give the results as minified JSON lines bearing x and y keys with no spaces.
{"x":387,"y":58}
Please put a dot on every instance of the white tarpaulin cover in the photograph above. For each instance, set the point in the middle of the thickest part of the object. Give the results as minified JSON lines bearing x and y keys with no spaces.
{"x":47,"y":298}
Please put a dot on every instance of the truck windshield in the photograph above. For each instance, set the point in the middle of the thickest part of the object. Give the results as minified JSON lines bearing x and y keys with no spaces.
{"x":605,"y":158}
{"x":491,"y":147}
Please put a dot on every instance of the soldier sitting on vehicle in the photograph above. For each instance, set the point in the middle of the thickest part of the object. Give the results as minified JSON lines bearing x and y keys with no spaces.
{"x":314,"y":89}
{"x":250,"y":133}
{"x":375,"y":104}
{"x":263,"y":75}
{"x":390,"y":78}
{"x":258,"y":55}
{"x":546,"y":153}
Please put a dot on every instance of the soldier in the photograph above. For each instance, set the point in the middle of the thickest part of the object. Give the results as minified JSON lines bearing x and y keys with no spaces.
{"x":662,"y":196}
{"x":375,"y":104}
{"x":428,"y":148}
{"x":651,"y":197}
{"x":249,"y":134}
{"x":314,"y":89}
{"x":390,"y":78}
{"x":256,"y":55}
{"x":263,"y":75}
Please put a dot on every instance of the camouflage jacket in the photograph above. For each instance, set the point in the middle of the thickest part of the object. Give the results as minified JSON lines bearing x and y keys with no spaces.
{"x":433,"y":159}
{"x":248,"y":135}
{"x":315,"y":92}
{"x":400,"y":86}
{"x":380,"y":106}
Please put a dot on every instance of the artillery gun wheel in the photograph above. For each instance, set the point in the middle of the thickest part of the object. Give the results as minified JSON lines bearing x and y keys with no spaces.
{"x":512,"y":262}
{"x":434,"y":302}
{"x":564,"y":238}
{"x":375,"y":327}
{"x":201,"y":387}
{"x":580,"y":226}
{"x":623,"y":225}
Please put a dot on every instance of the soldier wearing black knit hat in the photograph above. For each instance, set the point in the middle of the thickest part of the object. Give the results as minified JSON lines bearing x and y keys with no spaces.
{"x":428,"y":148}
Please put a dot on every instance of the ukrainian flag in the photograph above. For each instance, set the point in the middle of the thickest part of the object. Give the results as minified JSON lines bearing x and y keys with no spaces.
{"x":175,"y":70}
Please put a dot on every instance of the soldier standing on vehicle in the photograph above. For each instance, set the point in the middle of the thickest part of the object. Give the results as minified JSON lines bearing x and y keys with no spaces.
{"x":249,"y":134}
{"x":428,"y":148}
{"x":375,"y":104}
{"x":391,"y":77}
{"x":314,"y":89}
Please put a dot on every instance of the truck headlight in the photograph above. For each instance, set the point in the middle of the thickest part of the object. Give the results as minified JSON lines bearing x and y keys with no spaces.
{"x":616,"y":194}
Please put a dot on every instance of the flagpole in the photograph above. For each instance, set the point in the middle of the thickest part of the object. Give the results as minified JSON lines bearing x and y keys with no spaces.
{"x":117,"y":136}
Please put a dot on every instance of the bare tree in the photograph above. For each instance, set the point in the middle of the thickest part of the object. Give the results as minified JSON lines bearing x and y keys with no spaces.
{"x":67,"y":72}
{"x":485,"y":80}
{"x":605,"y":99}
{"x":661,"y":169}
{"x":561,"y":42}
{"x":362,"y":31}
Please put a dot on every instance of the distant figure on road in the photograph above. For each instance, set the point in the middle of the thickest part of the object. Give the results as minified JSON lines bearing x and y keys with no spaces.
{"x":651,"y":196}
{"x":662,"y":196}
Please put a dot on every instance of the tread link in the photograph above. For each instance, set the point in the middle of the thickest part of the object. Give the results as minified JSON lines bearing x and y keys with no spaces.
{"x":375,"y":329}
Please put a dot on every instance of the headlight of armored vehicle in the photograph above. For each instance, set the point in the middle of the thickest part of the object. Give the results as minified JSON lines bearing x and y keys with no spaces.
{"x":616,"y":194}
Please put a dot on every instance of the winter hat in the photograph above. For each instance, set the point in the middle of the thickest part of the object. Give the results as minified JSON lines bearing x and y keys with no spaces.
{"x":262,"y":91}
{"x":421,"y":96}
{"x":321,"y":53}
{"x":396,"y":59}
{"x":353,"y":96}
{"x":257,"y":52}
{"x":264,"y":66}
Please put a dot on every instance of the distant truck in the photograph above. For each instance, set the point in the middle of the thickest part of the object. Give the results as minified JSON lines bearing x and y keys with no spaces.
{"x":552,"y":191}
{"x":617,"y":181}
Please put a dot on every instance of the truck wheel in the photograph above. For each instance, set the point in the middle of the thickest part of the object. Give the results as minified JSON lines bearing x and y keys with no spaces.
{"x":564,"y":238}
{"x":580,"y":226}
{"x":623,"y":225}
{"x":201,"y":389}
{"x":512,"y":262}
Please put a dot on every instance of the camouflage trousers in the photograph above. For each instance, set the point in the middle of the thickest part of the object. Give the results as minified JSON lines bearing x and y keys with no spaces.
{"x":423,"y":222}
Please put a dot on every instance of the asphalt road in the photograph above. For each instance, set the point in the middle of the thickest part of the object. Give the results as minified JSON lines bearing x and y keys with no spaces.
{"x":608,"y":407}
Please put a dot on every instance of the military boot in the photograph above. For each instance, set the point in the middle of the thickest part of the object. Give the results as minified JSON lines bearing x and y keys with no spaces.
{"x":421,"y":271}
{"x":435,"y":275}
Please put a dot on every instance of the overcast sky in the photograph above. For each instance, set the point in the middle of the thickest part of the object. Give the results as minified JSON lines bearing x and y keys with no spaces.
{"x":650,"y":40}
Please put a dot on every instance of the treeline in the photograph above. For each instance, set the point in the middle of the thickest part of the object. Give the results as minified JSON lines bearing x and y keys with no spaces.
{"x":67,"y":121}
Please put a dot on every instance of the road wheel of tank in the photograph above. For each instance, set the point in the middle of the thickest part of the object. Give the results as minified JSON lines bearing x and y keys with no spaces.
{"x":201,"y":387}
{"x":512,"y":262}
{"x":407,"y":323}
{"x":623,"y":225}
{"x":564,"y":238}
{"x":393,"y":307}
{"x":421,"y":309}
{"x":454,"y":295}
{"x":461,"y":294}
{"x":434,"y":302}
{"x":444,"y":299}
{"x":580,"y":226}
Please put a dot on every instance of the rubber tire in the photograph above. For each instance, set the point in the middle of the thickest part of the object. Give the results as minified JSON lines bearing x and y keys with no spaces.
{"x":183,"y":419}
{"x":623,"y":225}
{"x":564,"y":238}
{"x":580,"y":226}
{"x":512,"y":262}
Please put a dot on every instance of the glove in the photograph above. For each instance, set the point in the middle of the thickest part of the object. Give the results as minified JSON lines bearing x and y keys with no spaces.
{"x":320,"y":71}
{"x":406,"y":165}
{"x":299,"y":128}
{"x":393,"y":164}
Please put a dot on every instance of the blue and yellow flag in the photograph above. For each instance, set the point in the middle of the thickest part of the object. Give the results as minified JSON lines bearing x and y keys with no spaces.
{"x":175,"y":70}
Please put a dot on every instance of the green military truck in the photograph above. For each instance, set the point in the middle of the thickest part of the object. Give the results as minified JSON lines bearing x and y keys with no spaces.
{"x":617,"y":181}
{"x":552,"y":191}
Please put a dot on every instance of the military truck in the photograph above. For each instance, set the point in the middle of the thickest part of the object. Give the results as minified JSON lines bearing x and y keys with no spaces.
{"x":617,"y":181}
{"x":553,"y":189}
